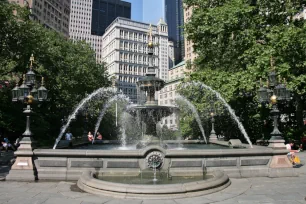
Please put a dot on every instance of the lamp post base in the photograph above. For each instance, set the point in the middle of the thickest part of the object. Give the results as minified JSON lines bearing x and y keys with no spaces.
{"x":213,"y":137}
{"x":277,"y":144}
{"x":23,"y":169}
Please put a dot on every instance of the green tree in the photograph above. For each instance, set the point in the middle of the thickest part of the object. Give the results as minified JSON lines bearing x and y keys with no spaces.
{"x":235,"y":39}
{"x":69,"y":68}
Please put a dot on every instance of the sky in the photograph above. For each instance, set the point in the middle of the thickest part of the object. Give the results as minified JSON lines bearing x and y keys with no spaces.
{"x":137,"y":6}
{"x":153,"y":10}
{"x":147,"y":11}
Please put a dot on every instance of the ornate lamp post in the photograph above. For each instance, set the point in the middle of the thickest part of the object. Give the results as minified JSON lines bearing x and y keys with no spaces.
{"x":274,"y":92}
{"x":212,"y":136}
{"x":26,"y":93}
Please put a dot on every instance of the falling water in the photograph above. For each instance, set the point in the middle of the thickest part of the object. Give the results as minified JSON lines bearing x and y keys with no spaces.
{"x":124,"y":123}
{"x":195,"y":113}
{"x":106,"y":106}
{"x":96,"y":93}
{"x":231,"y":111}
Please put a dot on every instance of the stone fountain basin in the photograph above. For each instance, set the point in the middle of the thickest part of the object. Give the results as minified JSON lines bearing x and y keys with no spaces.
{"x":90,"y":184}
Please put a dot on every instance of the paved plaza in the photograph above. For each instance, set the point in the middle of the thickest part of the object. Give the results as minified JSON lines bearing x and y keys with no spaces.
{"x":248,"y":190}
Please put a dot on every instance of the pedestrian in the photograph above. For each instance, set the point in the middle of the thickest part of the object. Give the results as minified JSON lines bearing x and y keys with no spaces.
{"x":4,"y":146}
{"x":68,"y":137}
{"x":291,"y":155}
{"x":99,"y":136}
{"x":90,"y":137}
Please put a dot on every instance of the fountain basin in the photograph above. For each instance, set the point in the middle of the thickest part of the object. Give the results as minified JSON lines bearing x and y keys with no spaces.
{"x":64,"y":164}
{"x":89,"y":183}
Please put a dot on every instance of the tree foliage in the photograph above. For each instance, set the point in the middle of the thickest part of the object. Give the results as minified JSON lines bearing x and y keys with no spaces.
{"x":70,"y":71}
{"x":235,"y":40}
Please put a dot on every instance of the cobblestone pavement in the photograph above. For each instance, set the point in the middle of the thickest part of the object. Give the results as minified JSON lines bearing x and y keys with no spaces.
{"x":251,"y":190}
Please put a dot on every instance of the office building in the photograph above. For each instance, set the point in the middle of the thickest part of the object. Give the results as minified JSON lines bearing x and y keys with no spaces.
{"x":175,"y":20}
{"x":125,"y":52}
{"x":86,"y":19}
{"x":51,"y":14}
{"x":104,"y":12}
{"x":190,"y":55}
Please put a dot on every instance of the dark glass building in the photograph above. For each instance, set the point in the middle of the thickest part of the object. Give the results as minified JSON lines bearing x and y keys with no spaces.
{"x":174,"y":14}
{"x":104,"y":12}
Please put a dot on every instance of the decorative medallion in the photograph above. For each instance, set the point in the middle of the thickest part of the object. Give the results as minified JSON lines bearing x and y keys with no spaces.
{"x":155,"y":160}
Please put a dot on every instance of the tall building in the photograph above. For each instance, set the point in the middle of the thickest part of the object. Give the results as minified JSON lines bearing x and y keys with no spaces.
{"x":171,"y":57}
{"x":136,"y":10}
{"x":85,"y":18}
{"x":190,"y":55}
{"x":125,"y":52}
{"x":175,"y":20}
{"x":51,"y":14}
{"x":80,"y":26}
{"x":104,"y":12}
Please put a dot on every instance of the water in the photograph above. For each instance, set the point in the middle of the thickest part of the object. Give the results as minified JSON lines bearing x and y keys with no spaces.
{"x":123,"y":130}
{"x":105,"y":108}
{"x":230,"y":110}
{"x":148,"y":177}
{"x":170,"y":146}
{"x":195,"y":113}
{"x":98,"y":93}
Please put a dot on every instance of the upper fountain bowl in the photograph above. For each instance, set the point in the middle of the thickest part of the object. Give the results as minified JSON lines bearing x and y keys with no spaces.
{"x":149,"y":82}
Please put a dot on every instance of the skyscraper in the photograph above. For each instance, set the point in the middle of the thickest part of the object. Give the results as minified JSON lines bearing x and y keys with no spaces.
{"x":175,"y":21}
{"x":104,"y":12}
{"x":51,"y":14}
{"x":91,"y":16}
{"x":190,"y":55}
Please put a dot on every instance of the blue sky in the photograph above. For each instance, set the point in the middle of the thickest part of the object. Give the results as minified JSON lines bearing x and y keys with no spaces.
{"x":136,"y":9}
{"x":153,"y":10}
{"x":147,"y":11}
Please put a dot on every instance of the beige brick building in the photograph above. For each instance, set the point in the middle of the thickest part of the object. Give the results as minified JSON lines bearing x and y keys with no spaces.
{"x":53,"y":14}
{"x":190,"y":55}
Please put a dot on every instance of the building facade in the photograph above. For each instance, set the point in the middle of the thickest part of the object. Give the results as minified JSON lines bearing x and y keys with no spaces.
{"x":53,"y":14}
{"x":104,"y":12}
{"x":190,"y":55}
{"x":171,"y":57}
{"x":125,"y":53}
{"x":80,"y":26}
{"x":169,"y":93}
{"x":83,"y":15}
{"x":175,"y":20}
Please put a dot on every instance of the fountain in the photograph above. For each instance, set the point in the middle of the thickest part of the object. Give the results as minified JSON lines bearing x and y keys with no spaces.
{"x":150,"y":113}
{"x":154,"y":169}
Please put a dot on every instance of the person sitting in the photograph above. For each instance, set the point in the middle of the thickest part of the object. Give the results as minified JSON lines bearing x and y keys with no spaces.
{"x":99,"y":136}
{"x":291,"y":155}
{"x":90,"y":137}
{"x":4,"y":146}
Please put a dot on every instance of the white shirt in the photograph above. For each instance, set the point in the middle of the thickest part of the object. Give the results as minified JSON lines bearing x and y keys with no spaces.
{"x":288,"y":146}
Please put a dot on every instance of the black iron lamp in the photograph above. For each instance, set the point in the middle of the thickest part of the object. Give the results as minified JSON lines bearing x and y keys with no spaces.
{"x":24,"y":90}
{"x":274,"y":92}
{"x":263,"y":93}
{"x":42,"y":91}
